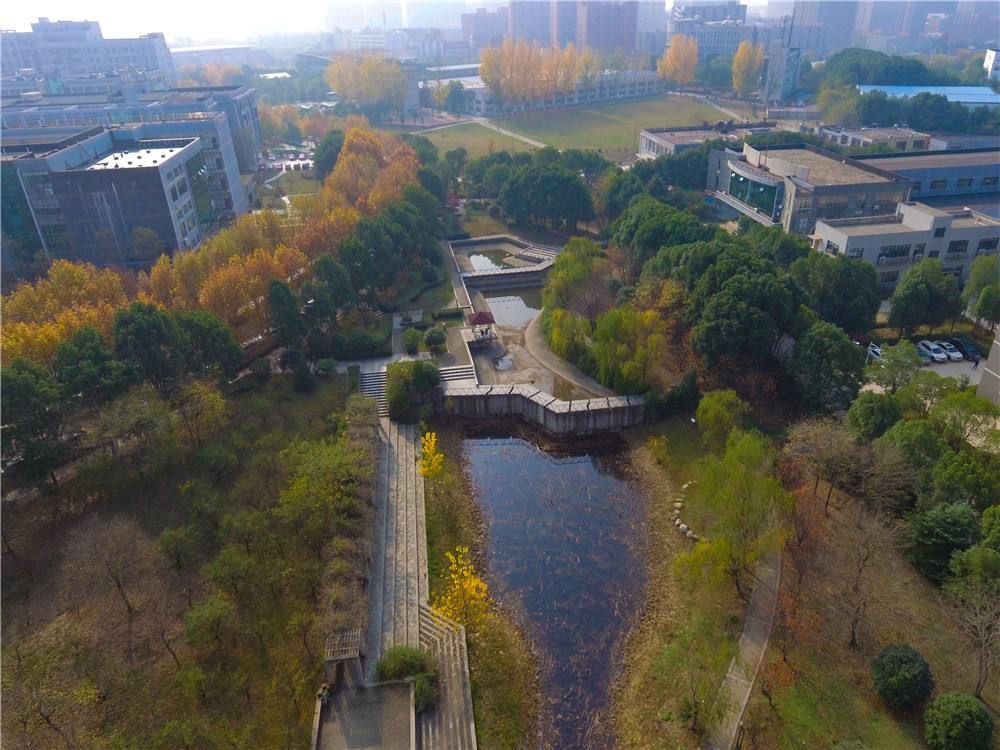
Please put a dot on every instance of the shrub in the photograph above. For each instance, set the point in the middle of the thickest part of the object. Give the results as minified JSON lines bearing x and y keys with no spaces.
{"x":957,"y":721}
{"x":682,"y":397}
{"x":411,"y":340}
{"x":428,"y":274}
{"x":902,"y":677}
{"x":493,"y":211}
{"x":402,"y":662}
{"x":261,"y":370}
{"x":937,"y":533}
{"x":407,"y":383}
{"x":353,"y":378}
{"x":435,"y":339}
{"x":872,"y":414}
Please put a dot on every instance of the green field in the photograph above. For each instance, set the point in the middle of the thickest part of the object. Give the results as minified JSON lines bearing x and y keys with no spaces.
{"x":474,"y":138}
{"x":610,"y":128}
{"x":298,"y":183}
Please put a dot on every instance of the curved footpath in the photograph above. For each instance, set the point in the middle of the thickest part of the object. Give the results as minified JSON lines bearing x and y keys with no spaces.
{"x":536,"y":345}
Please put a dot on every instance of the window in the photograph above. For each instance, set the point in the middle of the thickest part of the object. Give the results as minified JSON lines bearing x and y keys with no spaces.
{"x":895,"y":251}
{"x":988,"y":245}
{"x":965,"y":182}
{"x":888,"y":277}
{"x":933,"y":253}
{"x":855,"y":252}
{"x":919,"y":247}
{"x":992,"y":180}
{"x":957,"y":246}
{"x":832,"y":248}
{"x":939,"y":232}
{"x":939,"y":184}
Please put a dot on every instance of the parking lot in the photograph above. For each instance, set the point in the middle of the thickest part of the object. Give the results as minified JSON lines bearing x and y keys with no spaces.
{"x":957,"y":369}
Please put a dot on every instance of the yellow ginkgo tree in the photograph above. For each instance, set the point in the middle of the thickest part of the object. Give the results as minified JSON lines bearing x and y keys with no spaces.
{"x":467,"y":598}
{"x":431,"y":459}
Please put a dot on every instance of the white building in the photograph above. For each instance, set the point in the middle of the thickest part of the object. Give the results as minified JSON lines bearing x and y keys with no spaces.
{"x":902,"y":139}
{"x":992,"y":64}
{"x":79,"y":47}
{"x":894,"y":243}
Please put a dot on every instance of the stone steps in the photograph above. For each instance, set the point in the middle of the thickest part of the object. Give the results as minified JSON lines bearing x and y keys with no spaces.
{"x":459,"y":372}
{"x":374,"y":384}
{"x":450,"y":725}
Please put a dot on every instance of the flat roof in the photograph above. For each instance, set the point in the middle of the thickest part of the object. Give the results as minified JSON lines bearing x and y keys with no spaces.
{"x":867,"y":226}
{"x":966,"y":94}
{"x":923,"y":159}
{"x":138,"y":157}
{"x":877,"y":132}
{"x":826,"y":170}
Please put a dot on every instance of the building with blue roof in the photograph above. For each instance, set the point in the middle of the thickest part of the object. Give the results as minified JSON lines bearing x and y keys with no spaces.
{"x":970,"y":96}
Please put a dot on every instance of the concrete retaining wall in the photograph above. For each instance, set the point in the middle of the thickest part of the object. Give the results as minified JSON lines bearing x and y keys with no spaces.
{"x":562,"y":418}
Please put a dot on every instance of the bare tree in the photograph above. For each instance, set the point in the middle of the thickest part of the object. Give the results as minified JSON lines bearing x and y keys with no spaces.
{"x":874,"y":532}
{"x":825,"y":449}
{"x":977,"y":609}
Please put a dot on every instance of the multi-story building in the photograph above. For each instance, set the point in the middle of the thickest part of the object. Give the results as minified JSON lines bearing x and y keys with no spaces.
{"x":894,"y":242}
{"x":651,"y":27}
{"x":607,"y":25}
{"x":485,"y":27}
{"x":238,"y":104}
{"x":838,"y":18}
{"x":530,"y":20}
{"x":79,"y":47}
{"x":992,"y":64}
{"x":794,"y":186}
{"x":943,"y":174}
{"x":715,"y":38}
{"x":609,"y":86}
{"x":654,"y":142}
{"x":781,"y":72}
{"x":710,"y":10}
{"x":109,"y":196}
{"x":902,"y":139}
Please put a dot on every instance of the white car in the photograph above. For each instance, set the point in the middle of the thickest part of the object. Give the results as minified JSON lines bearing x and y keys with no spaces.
{"x":953,"y":354}
{"x":932,"y":350}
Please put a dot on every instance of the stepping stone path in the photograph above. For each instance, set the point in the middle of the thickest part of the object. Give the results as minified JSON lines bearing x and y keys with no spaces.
{"x":399,"y":611}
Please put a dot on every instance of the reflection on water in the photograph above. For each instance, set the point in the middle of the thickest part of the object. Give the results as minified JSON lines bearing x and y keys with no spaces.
{"x":515,"y":307}
{"x":488,"y":260}
{"x":563,"y":536}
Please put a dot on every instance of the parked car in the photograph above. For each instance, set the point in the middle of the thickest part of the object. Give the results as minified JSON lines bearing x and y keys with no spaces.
{"x":953,"y":354}
{"x":925,"y":359}
{"x":967,"y":347}
{"x":932,"y":350}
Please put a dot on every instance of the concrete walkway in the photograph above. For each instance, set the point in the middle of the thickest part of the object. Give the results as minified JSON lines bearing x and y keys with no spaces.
{"x":742,"y":673}
{"x":534,"y":342}
{"x":509,"y":133}
{"x":455,"y":275}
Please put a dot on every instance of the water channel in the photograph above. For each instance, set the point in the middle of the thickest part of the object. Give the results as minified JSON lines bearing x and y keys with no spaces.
{"x":565,"y":550}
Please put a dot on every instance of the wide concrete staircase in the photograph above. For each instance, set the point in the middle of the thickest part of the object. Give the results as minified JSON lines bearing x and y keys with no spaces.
{"x":459,"y":372}
{"x":373,"y":384}
{"x":450,"y":725}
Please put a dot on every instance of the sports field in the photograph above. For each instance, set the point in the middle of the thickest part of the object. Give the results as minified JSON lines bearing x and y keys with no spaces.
{"x":612,"y":128}
{"x":474,"y":138}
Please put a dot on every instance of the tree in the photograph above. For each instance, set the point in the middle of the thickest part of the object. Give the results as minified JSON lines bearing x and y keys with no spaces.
{"x":402,"y":662}
{"x":925,"y":389}
{"x":902,"y":677}
{"x":327,"y":151}
{"x":957,"y":721}
{"x":431,"y":459}
{"x":466,"y":598}
{"x":749,"y":507}
{"x":211,"y":344}
{"x":976,"y":597}
{"x":495,"y":178}
{"x":435,"y":338}
{"x":701,"y":652}
{"x":825,"y":448}
{"x":828,"y":367}
{"x":935,"y":534}
{"x":86,"y":370}
{"x":285,"y":314}
{"x":33,"y":415}
{"x":546,"y":193}
{"x":924,"y":296}
{"x":988,"y":305}
{"x":678,"y":63}
{"x":964,"y":417}
{"x":616,"y":189}
{"x":916,"y":440}
{"x":841,"y":290}
{"x":152,"y":340}
{"x":374,"y":83}
{"x":748,"y":62}
{"x":896,"y":367}
{"x":968,"y":475}
{"x":985,"y":270}
{"x":202,"y":410}
{"x":718,"y":413}
{"x":872,"y":414}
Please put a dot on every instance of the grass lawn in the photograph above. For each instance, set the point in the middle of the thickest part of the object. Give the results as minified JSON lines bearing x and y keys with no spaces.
{"x":610,"y":128}
{"x":297,"y":183}
{"x":475,"y":139}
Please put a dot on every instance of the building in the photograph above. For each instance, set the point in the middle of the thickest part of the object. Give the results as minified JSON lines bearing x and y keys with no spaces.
{"x":607,"y":25}
{"x":957,"y":141}
{"x":989,"y":385}
{"x":943,"y":174}
{"x":654,"y":142}
{"x":794,"y":186}
{"x":710,"y":10}
{"x":992,"y":64}
{"x":225,"y":54}
{"x":562,"y":22}
{"x":651,"y":26}
{"x":609,"y":86}
{"x":894,"y":242}
{"x":365,"y":40}
{"x":531,"y":21}
{"x":781,"y":71}
{"x":238,"y":104}
{"x":837,"y":17}
{"x":484,"y":27}
{"x":970,"y":96}
{"x":109,"y":196}
{"x":715,"y":38}
{"x":79,"y":47}
{"x":65,"y":82}
{"x":902,"y":139}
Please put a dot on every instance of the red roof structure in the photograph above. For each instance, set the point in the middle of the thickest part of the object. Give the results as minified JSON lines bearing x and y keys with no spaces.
{"x":481,"y":319}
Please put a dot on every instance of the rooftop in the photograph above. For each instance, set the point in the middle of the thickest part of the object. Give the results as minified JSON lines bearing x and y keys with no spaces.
{"x":138,"y":157}
{"x":965,"y":94}
{"x":879,"y":133}
{"x":929,"y":159}
{"x":826,"y":169}
{"x":962,"y":218}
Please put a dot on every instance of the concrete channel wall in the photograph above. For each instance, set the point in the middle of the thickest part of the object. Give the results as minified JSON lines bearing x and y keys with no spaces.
{"x":500,"y":278}
{"x":561,"y":418}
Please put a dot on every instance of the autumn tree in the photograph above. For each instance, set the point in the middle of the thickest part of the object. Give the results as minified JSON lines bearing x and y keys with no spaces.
{"x":466,"y":598}
{"x":750,"y":508}
{"x":201,"y":409}
{"x":373,"y":82}
{"x":748,"y":62}
{"x":678,"y":63}
{"x":826,"y":450}
{"x":431,"y":459}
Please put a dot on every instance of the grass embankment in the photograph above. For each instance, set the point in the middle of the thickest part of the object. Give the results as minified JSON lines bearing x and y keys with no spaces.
{"x":474,"y":138}
{"x":501,"y":664}
{"x":613,"y":129}
{"x":823,"y":695}
{"x":649,"y":692}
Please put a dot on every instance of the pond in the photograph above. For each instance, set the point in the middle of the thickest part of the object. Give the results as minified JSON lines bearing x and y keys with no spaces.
{"x":515,"y":307}
{"x":564,"y":548}
{"x":488,"y":258}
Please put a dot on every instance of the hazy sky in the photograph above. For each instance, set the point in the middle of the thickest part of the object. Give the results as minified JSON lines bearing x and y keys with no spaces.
{"x":199,"y":20}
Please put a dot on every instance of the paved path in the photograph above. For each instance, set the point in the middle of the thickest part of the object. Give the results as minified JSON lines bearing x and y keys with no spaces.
{"x":455,"y":274}
{"x":509,"y":133}
{"x":534,"y":342}
{"x":743,"y":669}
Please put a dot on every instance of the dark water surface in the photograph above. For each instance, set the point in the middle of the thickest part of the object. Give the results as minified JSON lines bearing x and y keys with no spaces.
{"x":515,"y":307}
{"x":565,"y":538}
